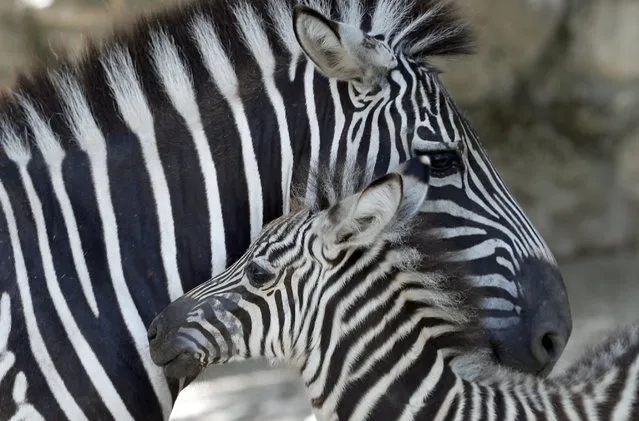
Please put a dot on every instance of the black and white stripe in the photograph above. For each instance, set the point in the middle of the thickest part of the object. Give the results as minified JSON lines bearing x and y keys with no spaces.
{"x":357,"y":297}
{"x":148,"y":165}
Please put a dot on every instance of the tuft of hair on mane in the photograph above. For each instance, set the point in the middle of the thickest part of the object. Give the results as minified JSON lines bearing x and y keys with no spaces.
{"x":434,"y":28}
{"x":329,"y":185}
{"x":459,"y":298}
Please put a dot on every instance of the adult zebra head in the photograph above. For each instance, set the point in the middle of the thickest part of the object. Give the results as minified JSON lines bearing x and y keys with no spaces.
{"x":400,"y":97}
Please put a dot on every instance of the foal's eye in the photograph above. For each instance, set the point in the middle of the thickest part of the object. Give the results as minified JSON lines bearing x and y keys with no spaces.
{"x":257,"y":274}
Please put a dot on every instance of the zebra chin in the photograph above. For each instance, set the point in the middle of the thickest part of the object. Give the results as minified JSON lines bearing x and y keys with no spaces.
{"x":185,"y":364}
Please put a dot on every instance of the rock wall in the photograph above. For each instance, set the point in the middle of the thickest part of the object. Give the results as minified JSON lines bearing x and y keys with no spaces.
{"x":553,"y":92}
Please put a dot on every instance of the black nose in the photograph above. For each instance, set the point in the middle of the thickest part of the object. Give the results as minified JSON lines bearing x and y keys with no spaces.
{"x":531,"y":346}
{"x":159,"y":342}
{"x":168,"y":349}
{"x":164,"y":341}
{"x":535,"y":343}
{"x":169,"y":319}
{"x":550,"y":327}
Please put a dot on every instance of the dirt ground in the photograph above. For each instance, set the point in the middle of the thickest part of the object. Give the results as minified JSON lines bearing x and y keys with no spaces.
{"x":603,"y":292}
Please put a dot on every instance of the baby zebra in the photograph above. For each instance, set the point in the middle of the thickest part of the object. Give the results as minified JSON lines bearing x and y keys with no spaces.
{"x":338,"y":291}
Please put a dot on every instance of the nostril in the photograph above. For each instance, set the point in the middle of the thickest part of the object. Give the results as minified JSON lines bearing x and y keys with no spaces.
{"x":546,"y":348}
{"x":154,"y":330}
{"x":548,"y":343}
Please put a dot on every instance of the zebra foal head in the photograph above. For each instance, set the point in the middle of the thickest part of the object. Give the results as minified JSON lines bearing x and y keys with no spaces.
{"x":316,"y":278}
{"x":384,"y":63}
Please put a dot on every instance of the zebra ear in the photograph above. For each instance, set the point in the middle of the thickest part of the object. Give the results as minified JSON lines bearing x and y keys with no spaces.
{"x":342,"y":51}
{"x":360,"y":218}
{"x":415,"y":174}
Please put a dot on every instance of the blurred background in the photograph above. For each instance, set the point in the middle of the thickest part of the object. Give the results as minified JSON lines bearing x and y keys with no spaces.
{"x":554,"y":94}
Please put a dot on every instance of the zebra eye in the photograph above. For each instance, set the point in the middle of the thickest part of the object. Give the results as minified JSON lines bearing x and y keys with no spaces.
{"x":257,"y":275}
{"x":445,"y":163}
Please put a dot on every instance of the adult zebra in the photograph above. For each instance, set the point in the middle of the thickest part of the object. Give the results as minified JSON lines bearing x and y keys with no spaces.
{"x":152,"y":162}
{"x":356,"y":296}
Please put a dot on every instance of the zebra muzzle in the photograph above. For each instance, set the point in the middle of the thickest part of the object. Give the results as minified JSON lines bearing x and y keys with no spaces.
{"x":178,"y":353}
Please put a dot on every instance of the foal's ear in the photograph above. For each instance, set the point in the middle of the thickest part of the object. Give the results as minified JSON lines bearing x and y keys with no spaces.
{"x":342,"y":51}
{"x":415,"y":174}
{"x":360,"y":218}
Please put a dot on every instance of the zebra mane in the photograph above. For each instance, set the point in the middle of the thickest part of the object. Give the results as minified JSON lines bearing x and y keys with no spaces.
{"x":419,"y":28}
{"x":445,"y":281}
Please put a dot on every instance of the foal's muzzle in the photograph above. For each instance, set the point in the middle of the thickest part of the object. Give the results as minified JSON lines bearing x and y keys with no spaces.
{"x":170,"y":347}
